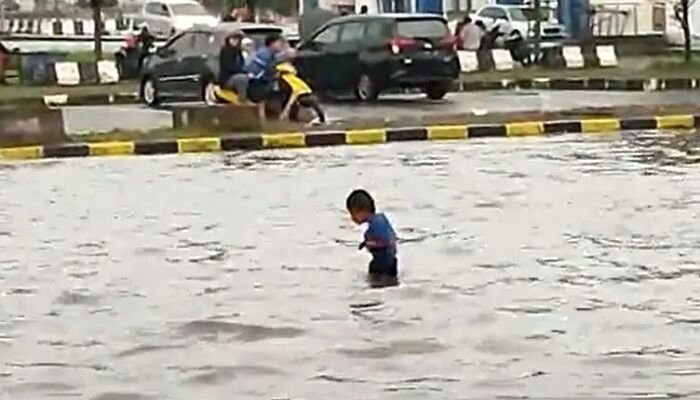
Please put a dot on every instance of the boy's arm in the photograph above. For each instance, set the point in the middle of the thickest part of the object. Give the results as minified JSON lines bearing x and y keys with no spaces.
{"x":378,"y":239}
{"x":375,"y":243}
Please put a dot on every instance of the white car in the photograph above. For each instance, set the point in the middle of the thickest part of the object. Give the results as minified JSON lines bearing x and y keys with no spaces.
{"x":514,"y":20}
{"x":166,"y":17}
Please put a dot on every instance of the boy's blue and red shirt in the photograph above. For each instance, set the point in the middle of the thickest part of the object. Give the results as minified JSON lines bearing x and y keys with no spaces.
{"x":379,"y":229}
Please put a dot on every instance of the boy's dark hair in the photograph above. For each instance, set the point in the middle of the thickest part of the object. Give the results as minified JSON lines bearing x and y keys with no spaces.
{"x":272,"y":38}
{"x":360,"y":200}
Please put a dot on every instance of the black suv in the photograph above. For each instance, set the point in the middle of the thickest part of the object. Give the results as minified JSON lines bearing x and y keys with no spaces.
{"x":188,"y":64}
{"x":371,"y":53}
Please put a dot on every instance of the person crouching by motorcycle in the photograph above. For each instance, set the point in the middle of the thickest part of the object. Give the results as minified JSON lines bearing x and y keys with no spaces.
{"x":262,"y":73}
{"x":232,"y":74}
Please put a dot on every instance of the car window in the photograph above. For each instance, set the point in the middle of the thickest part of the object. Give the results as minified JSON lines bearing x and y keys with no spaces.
{"x":205,"y":43}
{"x":157,"y":9}
{"x":185,"y":44}
{"x":352,"y":32}
{"x":376,"y":31}
{"x":493,"y":12}
{"x":188,"y":9}
{"x":327,"y":36}
{"x":517,"y":14}
{"x":422,"y":28}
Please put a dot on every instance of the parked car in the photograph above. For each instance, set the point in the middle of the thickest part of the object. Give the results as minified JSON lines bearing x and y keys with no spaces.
{"x":187,"y":65}
{"x":166,"y":17}
{"x":369,"y":54}
{"x":518,"y":20}
{"x":9,"y":6}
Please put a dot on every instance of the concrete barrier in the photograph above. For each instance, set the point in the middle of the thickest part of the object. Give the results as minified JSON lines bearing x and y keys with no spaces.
{"x":350,"y":137}
{"x":29,"y":127}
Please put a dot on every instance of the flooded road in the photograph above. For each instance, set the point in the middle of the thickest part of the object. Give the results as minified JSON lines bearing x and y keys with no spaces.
{"x":539,"y":267}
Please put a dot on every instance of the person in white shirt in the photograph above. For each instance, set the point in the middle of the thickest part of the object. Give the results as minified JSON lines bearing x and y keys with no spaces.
{"x":470,"y":35}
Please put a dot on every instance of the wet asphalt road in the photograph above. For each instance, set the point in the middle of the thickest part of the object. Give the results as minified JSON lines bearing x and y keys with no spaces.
{"x":394,"y":107}
{"x":542,"y":267}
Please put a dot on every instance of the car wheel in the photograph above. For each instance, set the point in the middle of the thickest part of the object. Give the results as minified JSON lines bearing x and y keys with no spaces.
{"x":436,"y":91}
{"x":149,"y":92}
{"x":209,"y":93}
{"x":366,"y":89}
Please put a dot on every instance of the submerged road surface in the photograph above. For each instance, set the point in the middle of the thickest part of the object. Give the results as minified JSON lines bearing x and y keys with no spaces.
{"x":563,"y":267}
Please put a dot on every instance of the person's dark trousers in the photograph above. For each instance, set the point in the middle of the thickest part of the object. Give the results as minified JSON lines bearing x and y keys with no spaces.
{"x":239,"y":84}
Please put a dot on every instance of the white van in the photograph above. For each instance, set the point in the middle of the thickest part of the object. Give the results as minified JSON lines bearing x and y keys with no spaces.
{"x":166,"y":17}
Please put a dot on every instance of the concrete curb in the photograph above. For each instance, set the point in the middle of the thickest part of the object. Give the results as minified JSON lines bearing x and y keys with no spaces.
{"x":90,"y":100}
{"x":596,"y":84}
{"x":350,"y":137}
{"x":57,"y":100}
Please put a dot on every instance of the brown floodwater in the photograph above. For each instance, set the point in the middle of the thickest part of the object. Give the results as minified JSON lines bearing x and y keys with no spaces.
{"x":546,"y":267}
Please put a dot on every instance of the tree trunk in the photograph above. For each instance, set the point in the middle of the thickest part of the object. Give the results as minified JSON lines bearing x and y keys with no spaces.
{"x":97,"y":20}
{"x":538,"y":31}
{"x":685,"y":23}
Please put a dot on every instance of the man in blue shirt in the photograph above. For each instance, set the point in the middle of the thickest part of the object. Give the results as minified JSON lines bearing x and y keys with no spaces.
{"x":379,"y":238}
{"x":262,"y":73}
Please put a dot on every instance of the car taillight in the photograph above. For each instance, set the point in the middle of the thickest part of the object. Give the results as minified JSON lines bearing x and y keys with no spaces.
{"x":399,"y":44}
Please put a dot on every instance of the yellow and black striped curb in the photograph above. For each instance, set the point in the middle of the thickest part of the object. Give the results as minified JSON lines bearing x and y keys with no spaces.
{"x":592,"y":84}
{"x":349,"y":137}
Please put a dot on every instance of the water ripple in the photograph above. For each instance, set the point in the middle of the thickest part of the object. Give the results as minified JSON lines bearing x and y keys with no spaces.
{"x":561,"y":267}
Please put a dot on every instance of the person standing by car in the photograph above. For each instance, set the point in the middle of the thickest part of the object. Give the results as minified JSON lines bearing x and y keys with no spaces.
{"x":231,"y":65}
{"x":262,"y":73}
{"x":470,"y":35}
{"x":145,"y":42}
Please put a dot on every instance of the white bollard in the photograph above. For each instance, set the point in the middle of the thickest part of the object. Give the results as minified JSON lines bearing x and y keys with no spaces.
{"x":502,"y":59}
{"x":468,"y":61}
{"x":14,"y":26}
{"x":67,"y":73}
{"x":89,"y":27}
{"x":111,"y":26}
{"x":68,"y":27}
{"x":46,"y":27}
{"x":606,"y":56}
{"x":573,"y":57}
{"x":107,"y":71}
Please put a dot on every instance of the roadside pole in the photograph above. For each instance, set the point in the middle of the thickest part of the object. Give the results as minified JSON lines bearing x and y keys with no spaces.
{"x":538,"y":29}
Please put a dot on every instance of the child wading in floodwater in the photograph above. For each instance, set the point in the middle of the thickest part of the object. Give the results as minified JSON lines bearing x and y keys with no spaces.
{"x":379,"y":239}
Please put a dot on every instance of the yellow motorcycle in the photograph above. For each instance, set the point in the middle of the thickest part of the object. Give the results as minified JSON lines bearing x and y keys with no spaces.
{"x":295,"y":95}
